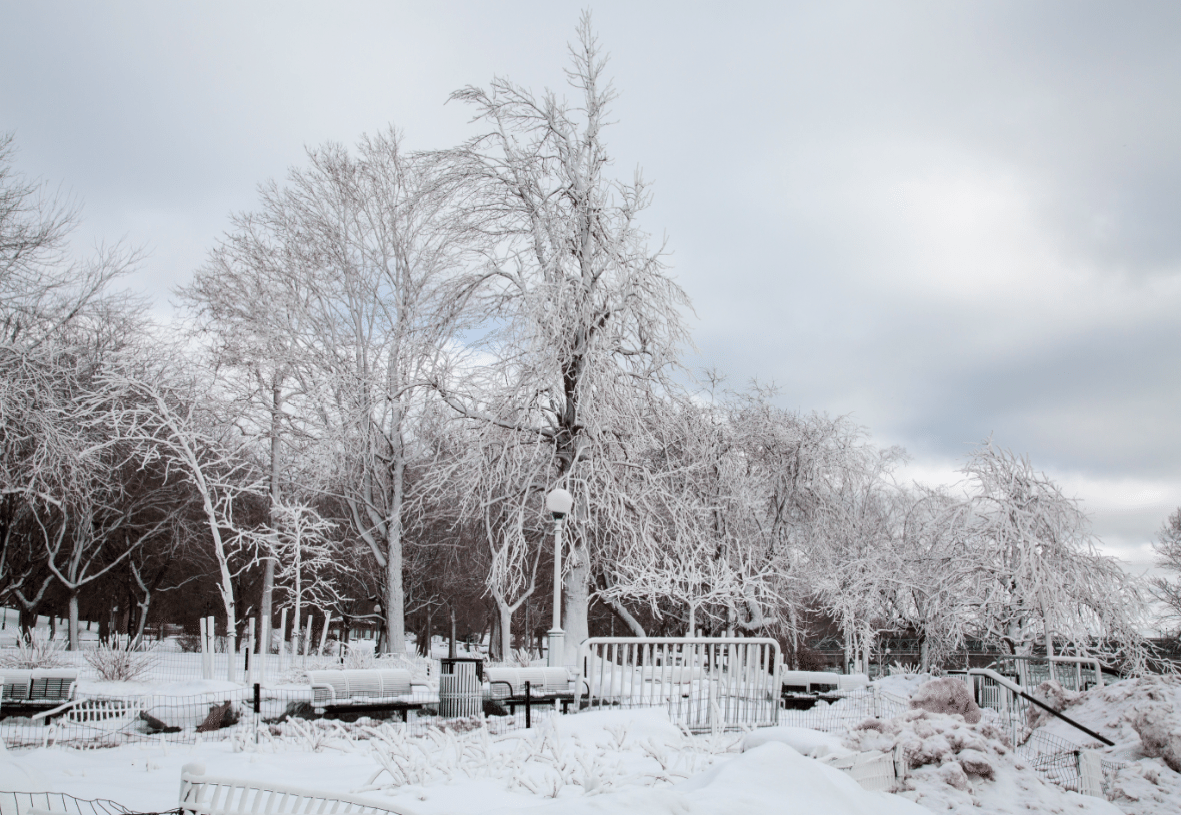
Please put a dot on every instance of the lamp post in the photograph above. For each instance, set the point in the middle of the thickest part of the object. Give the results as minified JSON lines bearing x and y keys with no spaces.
{"x":559,"y":502}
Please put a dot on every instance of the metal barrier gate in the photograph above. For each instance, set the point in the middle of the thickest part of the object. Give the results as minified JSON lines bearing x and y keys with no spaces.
{"x":706,"y":683}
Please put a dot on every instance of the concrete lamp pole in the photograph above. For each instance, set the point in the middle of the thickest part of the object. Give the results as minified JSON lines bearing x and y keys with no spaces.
{"x":559,"y":502}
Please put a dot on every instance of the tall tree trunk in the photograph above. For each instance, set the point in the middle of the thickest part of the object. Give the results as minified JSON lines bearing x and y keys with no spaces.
{"x":73,"y":612}
{"x":576,"y":600}
{"x":266,"y":603}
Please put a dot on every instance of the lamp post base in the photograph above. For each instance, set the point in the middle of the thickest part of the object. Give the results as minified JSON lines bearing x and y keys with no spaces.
{"x":557,"y":648}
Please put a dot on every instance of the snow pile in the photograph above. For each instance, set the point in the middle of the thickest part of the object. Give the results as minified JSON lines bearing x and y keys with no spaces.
{"x":966,"y":767}
{"x":1111,"y":710}
{"x":1159,"y":726}
{"x":590,"y":753}
{"x":1143,"y":717}
{"x":1146,"y":787}
{"x":946,"y":696}
{"x":902,"y":685}
{"x":771,"y":779}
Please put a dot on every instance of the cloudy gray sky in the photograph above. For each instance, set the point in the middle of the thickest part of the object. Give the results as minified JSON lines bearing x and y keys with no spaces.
{"x":947,"y":220}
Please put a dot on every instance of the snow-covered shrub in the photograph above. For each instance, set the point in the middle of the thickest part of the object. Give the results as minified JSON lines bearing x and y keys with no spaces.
{"x":115,"y":664}
{"x":946,"y":696}
{"x":36,"y":650}
{"x":189,"y":643}
{"x":359,"y":655}
{"x":903,"y":669}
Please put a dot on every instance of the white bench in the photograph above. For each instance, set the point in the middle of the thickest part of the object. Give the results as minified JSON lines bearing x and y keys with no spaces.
{"x":509,"y":682}
{"x":38,"y":687}
{"x":201,"y":794}
{"x":361,"y":687}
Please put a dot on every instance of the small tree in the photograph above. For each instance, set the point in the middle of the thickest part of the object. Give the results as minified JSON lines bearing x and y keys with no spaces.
{"x":306,"y":558}
{"x":1168,"y":552}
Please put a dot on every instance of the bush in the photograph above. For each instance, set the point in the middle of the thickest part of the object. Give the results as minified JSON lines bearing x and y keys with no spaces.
{"x":36,"y":650}
{"x":189,"y":643}
{"x":115,"y":664}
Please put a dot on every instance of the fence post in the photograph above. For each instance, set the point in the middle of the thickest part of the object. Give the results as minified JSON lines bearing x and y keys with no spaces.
{"x":205,"y":671}
{"x":282,"y":639}
{"x":1090,"y":773}
{"x":528,"y":707}
{"x":257,"y":709}
{"x":324,"y":633}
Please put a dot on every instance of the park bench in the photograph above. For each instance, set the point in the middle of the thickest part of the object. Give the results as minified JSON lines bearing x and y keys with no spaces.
{"x":363,"y":690}
{"x":31,"y":690}
{"x":201,"y":794}
{"x":802,"y":689}
{"x":506,"y":686}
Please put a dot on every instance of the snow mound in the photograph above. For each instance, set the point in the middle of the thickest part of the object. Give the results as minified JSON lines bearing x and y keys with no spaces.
{"x":610,"y":728}
{"x":803,"y":740}
{"x":771,"y":779}
{"x":1111,"y":710}
{"x":903,"y":685}
{"x":946,"y":695}
{"x":966,"y":767}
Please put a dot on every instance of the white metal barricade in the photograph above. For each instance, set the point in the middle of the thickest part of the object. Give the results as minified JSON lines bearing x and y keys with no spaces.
{"x":705,"y":683}
{"x":204,"y":795}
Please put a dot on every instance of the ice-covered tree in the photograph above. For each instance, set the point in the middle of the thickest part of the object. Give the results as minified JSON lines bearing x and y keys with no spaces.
{"x":1168,"y":554}
{"x":353,"y":257}
{"x":1041,"y":577}
{"x":584,"y":320}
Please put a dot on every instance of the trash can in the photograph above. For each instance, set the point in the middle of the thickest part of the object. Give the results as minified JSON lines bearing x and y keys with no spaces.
{"x":460,"y":682}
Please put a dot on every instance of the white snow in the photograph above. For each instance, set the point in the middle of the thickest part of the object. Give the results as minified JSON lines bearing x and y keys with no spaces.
{"x":626,"y":762}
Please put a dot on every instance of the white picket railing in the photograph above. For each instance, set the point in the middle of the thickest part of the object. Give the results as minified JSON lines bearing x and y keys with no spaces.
{"x":705,"y":683}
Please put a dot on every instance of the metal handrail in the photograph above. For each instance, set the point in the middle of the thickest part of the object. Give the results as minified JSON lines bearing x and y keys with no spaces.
{"x":1017,"y":689}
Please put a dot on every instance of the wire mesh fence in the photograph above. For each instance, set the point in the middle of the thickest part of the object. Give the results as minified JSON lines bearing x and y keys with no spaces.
{"x":165,"y":663}
{"x":107,"y":721}
{"x":841,"y":711}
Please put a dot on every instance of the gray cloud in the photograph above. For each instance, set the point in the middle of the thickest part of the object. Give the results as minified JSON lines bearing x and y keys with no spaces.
{"x":948,"y":220}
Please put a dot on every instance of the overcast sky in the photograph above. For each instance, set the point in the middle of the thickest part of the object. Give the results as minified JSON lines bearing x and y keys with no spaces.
{"x":946,"y":220}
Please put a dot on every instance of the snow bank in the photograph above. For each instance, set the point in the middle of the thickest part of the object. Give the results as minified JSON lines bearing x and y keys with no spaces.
{"x":771,"y":779}
{"x":903,"y":685}
{"x":961,"y":767}
{"x":811,"y":743}
{"x":1143,"y":717}
{"x":609,"y":728}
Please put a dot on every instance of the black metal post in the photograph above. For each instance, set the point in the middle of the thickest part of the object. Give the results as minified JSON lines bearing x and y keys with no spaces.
{"x":528,"y":708}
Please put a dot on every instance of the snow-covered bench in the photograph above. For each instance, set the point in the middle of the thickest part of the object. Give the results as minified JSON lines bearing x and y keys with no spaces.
{"x":507,"y":686}
{"x":363,"y":688}
{"x":820,"y":681}
{"x":201,"y":794}
{"x":37,"y":687}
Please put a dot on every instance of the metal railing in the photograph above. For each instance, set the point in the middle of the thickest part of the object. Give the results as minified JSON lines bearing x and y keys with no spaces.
{"x":705,"y":683}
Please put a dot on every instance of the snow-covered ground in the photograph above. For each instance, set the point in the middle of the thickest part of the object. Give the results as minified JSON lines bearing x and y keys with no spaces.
{"x":634,"y":762}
